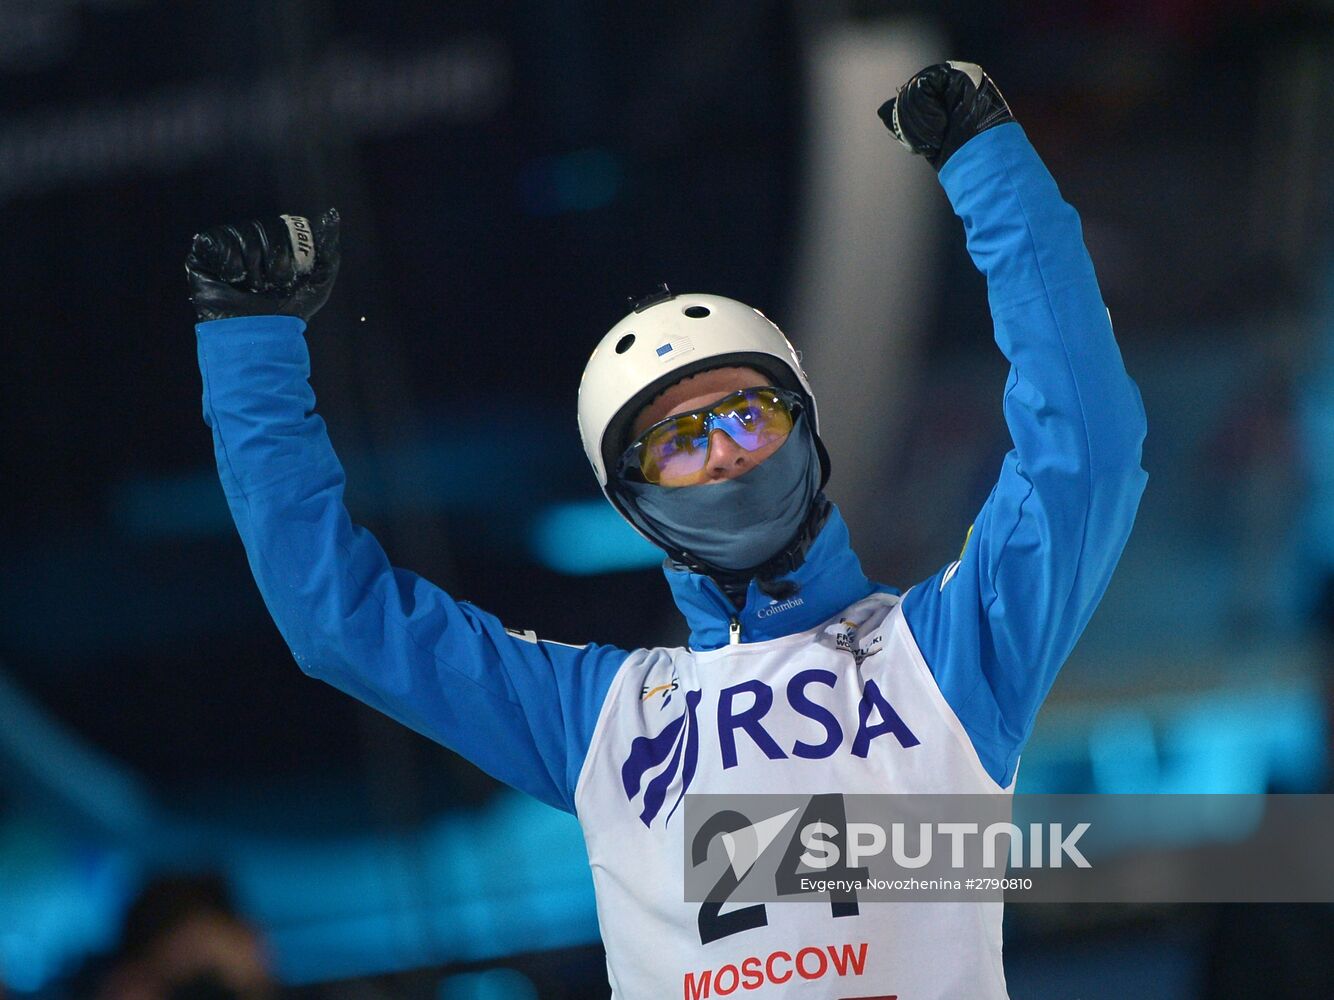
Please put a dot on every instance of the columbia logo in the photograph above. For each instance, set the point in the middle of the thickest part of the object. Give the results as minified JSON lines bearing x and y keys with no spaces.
{"x":778,"y":607}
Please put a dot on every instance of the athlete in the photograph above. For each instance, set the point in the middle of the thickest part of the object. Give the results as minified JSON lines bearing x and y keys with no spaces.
{"x":801,"y":674}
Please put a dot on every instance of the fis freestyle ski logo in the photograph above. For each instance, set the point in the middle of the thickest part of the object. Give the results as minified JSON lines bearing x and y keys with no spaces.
{"x":666,"y":690}
{"x":845,"y":639}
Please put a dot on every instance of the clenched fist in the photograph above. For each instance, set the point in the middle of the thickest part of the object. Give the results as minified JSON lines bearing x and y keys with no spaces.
{"x":276,"y":267}
{"x":942,"y":107}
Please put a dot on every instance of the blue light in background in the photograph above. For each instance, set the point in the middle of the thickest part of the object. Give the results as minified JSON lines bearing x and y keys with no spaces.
{"x":1123,"y":754}
{"x":487,"y":462}
{"x":495,"y":984}
{"x":586,"y":537}
{"x":60,"y":898}
{"x":468,"y":886}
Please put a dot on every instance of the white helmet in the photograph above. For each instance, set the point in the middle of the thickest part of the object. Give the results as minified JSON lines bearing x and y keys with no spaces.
{"x":667,"y":338}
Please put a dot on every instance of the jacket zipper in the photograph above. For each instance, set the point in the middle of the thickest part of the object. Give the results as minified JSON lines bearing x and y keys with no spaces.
{"x":734,"y":632}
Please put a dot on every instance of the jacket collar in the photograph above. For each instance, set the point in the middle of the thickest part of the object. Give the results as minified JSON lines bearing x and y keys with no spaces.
{"x":829,"y":580}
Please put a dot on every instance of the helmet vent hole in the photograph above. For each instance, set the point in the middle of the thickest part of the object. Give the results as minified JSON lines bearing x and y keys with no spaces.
{"x":625,"y":343}
{"x":696,"y":312}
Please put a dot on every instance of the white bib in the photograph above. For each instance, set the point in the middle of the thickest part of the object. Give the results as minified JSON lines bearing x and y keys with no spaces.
{"x":780,"y":716}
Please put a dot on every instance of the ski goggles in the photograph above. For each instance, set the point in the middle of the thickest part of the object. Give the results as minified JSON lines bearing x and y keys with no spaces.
{"x":674,"y":451}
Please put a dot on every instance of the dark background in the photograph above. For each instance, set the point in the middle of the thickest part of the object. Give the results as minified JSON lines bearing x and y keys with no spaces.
{"x":507,"y":175}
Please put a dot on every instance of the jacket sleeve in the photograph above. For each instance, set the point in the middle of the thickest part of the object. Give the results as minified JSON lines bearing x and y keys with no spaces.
{"x":521,"y":709}
{"x":995,"y":626}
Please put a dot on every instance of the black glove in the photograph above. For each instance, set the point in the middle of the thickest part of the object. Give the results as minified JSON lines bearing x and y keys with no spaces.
{"x":942,"y":107}
{"x":278,"y":267}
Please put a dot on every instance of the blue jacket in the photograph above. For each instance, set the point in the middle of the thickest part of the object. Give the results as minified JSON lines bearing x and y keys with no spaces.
{"x":994,"y":627}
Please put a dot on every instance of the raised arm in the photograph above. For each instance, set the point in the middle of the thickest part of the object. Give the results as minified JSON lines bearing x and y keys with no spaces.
{"x":995,"y":626}
{"x":521,"y":709}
